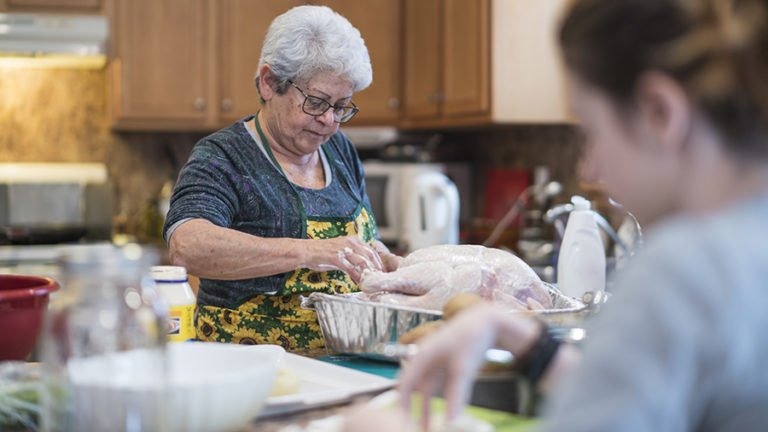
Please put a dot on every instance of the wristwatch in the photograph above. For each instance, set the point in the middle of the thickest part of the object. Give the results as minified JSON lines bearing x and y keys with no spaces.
{"x":532,"y":364}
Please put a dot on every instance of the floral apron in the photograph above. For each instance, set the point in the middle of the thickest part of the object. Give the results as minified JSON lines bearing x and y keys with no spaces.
{"x":278,"y":318}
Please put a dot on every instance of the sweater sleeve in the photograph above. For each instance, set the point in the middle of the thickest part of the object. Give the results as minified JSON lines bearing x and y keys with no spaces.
{"x":206,"y":188}
{"x":643,"y":359}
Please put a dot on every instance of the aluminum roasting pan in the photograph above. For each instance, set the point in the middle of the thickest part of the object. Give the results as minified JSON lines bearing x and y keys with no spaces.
{"x":351,"y":325}
{"x":354,"y":326}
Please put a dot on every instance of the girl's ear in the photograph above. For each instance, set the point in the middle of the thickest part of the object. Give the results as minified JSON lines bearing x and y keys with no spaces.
{"x":665,"y":110}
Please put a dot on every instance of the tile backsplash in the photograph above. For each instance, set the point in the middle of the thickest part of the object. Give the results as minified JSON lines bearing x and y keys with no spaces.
{"x":60,"y":115}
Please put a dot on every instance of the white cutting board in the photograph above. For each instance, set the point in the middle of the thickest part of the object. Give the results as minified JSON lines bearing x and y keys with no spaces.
{"x":322,"y":384}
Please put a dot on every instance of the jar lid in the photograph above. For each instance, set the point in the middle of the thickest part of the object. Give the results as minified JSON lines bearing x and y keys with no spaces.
{"x":169,"y":273}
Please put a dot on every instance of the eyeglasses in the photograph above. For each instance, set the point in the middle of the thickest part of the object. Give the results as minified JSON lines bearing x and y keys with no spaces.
{"x":316,"y":107}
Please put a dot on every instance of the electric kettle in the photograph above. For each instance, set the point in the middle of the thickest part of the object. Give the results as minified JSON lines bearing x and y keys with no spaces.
{"x":430,"y":211}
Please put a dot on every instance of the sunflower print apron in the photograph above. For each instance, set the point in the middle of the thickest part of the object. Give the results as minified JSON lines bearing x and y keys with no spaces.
{"x":278,"y":318}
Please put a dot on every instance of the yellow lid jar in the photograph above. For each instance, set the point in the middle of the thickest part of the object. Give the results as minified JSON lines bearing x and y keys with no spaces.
{"x":173,"y":287}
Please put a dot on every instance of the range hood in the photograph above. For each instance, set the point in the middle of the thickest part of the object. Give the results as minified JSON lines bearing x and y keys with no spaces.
{"x":76,"y":39}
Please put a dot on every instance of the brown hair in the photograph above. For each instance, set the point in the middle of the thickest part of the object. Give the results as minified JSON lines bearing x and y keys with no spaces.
{"x":716,"y":49}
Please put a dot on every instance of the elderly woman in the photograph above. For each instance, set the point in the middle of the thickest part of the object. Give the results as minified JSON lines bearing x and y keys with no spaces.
{"x":275,"y":206}
{"x":674,"y":100}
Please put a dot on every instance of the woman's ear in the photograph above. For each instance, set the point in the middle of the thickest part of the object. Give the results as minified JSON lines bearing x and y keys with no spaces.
{"x":665,"y":109}
{"x":266,"y":82}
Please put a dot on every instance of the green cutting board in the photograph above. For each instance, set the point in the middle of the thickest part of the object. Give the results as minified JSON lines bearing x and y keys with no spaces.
{"x":501,"y":421}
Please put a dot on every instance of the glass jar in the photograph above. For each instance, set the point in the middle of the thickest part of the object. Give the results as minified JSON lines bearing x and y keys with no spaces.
{"x":104,"y":365}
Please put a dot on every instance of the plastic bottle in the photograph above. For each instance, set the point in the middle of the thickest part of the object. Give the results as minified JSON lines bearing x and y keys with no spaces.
{"x":581,"y":262}
{"x":173,"y":287}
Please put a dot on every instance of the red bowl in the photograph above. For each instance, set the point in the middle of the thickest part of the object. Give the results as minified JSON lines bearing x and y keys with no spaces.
{"x":23,"y":300}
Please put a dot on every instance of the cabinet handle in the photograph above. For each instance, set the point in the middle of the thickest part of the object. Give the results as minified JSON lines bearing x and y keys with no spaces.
{"x":200,"y":104}
{"x":435,"y":97}
{"x":226,"y":104}
{"x":393,"y":103}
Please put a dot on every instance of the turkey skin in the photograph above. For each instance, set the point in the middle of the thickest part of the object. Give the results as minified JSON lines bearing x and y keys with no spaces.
{"x":427,"y":278}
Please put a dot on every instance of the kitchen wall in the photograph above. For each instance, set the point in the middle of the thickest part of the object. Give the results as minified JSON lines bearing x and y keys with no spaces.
{"x":61,"y":116}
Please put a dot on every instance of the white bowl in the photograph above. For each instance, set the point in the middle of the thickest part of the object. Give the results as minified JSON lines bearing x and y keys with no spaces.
{"x":207,"y":387}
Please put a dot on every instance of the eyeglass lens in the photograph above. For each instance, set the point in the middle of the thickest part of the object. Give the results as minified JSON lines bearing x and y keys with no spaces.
{"x":316,"y":106}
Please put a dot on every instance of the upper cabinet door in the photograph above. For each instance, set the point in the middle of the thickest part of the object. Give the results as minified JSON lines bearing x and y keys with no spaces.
{"x":466,"y":77}
{"x":242,"y":27}
{"x":423,"y":58}
{"x":162,"y":63}
{"x":379,"y":25}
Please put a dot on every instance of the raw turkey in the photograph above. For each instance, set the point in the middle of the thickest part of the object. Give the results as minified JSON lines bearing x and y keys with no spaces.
{"x":427,"y":278}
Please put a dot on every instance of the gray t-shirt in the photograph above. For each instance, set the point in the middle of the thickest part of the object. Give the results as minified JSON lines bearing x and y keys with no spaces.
{"x":683,"y":343}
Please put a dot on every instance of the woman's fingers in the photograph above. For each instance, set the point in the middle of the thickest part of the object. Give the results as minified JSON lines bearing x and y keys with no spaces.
{"x":367,"y":254}
{"x":376,"y":262}
{"x":389,"y":260}
{"x":357,"y":257}
{"x":352,"y":264}
{"x":348,"y":254}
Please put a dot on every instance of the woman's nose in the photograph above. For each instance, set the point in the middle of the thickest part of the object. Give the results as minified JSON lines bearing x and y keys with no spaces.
{"x":327,"y":117}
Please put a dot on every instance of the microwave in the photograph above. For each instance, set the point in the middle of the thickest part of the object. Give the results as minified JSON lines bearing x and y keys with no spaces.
{"x":415,"y":204}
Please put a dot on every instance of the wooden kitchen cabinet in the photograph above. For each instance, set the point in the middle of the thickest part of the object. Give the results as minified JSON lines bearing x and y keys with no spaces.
{"x":186,"y":68}
{"x":480,"y":62}
{"x":446,"y":67}
{"x":423,"y":59}
{"x":193,"y":67}
{"x":380,"y":24}
{"x":161,"y":67}
{"x":242,"y":26}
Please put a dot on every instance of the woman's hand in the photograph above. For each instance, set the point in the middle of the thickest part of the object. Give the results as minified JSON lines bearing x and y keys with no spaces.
{"x":391,"y":261}
{"x":348,"y":254}
{"x":453,"y":355}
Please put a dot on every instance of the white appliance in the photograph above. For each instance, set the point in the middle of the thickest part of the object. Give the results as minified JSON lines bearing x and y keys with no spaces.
{"x":415,"y":204}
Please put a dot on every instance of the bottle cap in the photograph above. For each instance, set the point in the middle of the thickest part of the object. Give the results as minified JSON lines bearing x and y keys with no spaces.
{"x":169,"y":273}
{"x":580,"y":203}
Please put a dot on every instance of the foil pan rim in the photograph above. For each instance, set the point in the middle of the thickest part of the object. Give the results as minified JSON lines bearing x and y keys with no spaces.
{"x":315,"y":297}
{"x":575,"y":305}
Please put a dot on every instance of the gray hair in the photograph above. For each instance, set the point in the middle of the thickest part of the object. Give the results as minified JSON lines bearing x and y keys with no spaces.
{"x":307,"y":40}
